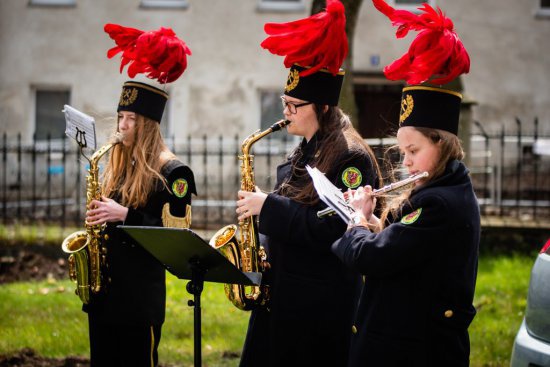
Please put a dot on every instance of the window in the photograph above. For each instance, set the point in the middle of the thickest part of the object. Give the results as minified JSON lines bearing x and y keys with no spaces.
{"x":281,"y":5}
{"x":48,"y":118}
{"x":271,"y":111}
{"x":181,"y":4}
{"x":53,"y":2}
{"x":544,"y":9}
{"x":412,"y":5}
{"x":378,"y":105}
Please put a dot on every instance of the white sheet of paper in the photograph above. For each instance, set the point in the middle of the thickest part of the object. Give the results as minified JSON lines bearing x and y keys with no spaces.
{"x":80,"y":127}
{"x":330,"y":194}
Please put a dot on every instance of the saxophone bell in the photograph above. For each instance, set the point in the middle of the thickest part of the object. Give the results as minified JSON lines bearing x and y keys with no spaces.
{"x":244,"y":251}
{"x":87,"y":259}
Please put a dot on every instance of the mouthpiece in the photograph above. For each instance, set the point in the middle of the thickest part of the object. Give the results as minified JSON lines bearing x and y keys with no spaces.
{"x":279,"y":125}
{"x":117,"y":138}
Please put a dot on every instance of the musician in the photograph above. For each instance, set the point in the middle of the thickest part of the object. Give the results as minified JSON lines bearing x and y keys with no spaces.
{"x":144,"y":184}
{"x":420,"y":258}
{"x":308,"y":318}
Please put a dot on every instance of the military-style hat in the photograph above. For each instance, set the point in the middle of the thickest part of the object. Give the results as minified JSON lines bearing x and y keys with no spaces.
{"x":143,"y":99}
{"x":314,"y":50}
{"x":436,"y":56}
{"x":436,"y":108}
{"x":158,"y":54}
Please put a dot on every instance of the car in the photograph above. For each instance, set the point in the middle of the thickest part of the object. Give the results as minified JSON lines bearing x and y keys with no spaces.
{"x":532,"y":343}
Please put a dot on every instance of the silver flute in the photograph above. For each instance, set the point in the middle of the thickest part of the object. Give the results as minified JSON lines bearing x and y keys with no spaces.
{"x":388,"y":188}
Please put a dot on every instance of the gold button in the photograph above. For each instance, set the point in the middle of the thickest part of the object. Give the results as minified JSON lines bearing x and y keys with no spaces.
{"x":449,"y":313}
{"x":354,"y":329}
{"x":106,"y":237}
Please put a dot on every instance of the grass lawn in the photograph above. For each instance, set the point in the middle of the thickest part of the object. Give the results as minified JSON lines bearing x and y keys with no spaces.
{"x":46,"y":316}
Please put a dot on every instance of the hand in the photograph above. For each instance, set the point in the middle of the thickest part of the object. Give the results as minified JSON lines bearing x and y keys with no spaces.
{"x":105,"y":210}
{"x":250,"y":203}
{"x":362,"y":201}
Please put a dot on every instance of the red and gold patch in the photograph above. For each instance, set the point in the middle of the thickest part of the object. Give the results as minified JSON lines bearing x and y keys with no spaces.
{"x":179,"y":187}
{"x":352,"y":177}
{"x":411,"y":217}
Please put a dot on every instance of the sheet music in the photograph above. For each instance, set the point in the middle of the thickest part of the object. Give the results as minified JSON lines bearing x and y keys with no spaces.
{"x":80,"y":127}
{"x":330,"y":194}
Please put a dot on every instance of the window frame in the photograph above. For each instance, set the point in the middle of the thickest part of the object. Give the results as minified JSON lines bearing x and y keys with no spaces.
{"x":35,"y":89}
{"x":53,"y":3}
{"x":412,"y":7}
{"x":542,"y":12}
{"x":281,"y":6}
{"x":164,"y":4}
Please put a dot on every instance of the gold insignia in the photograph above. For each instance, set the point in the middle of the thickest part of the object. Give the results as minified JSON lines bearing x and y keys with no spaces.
{"x":293,"y":80}
{"x":407,"y":105}
{"x":128,"y":96}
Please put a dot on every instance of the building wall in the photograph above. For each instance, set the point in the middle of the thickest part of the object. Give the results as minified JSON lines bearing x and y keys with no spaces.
{"x":508,"y":46}
{"x":65,"y":47}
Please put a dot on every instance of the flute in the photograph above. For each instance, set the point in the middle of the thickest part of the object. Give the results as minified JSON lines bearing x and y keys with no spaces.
{"x":388,"y":188}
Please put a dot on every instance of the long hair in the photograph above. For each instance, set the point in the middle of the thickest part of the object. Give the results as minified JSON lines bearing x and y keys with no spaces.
{"x":336,"y":136}
{"x":133,"y":172}
{"x":450,"y":149}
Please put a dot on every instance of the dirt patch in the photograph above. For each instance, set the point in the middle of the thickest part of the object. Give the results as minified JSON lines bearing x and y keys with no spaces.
{"x":20,"y":263}
{"x":29,"y":358}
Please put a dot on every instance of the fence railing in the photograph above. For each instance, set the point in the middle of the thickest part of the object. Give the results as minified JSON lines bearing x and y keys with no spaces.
{"x":45,"y":181}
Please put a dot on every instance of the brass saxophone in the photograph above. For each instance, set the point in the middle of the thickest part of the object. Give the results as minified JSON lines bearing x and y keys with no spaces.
{"x":246,"y":253}
{"x":87,"y":255}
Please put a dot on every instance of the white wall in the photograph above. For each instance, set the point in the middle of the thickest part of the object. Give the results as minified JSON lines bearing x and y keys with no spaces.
{"x":219,"y":93}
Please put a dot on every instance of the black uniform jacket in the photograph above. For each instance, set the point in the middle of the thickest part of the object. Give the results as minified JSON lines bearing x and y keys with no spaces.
{"x":136,"y":293}
{"x":313,"y":295}
{"x":419,"y":275}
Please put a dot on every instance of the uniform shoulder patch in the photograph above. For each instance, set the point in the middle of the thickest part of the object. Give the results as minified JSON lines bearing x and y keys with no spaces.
{"x":352,"y":177}
{"x":411,"y":217}
{"x":179,"y":187}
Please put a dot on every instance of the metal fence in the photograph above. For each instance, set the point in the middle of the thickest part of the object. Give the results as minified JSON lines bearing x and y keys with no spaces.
{"x":44,"y":181}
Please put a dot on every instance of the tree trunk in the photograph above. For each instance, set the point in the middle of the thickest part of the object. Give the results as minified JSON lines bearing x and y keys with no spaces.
{"x":347,"y":97}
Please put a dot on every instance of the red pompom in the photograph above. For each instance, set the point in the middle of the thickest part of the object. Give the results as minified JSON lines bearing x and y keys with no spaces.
{"x":318,"y":41}
{"x":159,"y":54}
{"x":435,"y":52}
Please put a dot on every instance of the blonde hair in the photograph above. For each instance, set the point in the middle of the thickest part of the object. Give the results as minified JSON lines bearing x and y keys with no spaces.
{"x":133,"y":172}
{"x":450,"y":149}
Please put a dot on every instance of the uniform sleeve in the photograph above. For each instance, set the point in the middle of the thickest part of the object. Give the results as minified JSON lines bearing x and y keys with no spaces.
{"x":404,"y":244}
{"x":181,"y":185}
{"x":296,"y":224}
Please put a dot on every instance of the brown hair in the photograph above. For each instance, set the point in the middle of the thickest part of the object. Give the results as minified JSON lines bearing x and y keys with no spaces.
{"x":450,"y":149}
{"x":336,"y":136}
{"x":132,"y":173}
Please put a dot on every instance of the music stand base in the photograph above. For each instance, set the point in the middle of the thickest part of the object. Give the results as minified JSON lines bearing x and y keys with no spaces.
{"x":195,"y":287}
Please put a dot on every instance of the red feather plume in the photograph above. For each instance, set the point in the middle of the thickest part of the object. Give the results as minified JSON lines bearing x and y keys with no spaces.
{"x":435,"y":52}
{"x":318,"y":41}
{"x":159,"y":54}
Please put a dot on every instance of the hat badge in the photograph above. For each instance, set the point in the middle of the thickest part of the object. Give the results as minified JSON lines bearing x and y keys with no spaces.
{"x":293,"y":80}
{"x":407,"y":105}
{"x":128,"y":96}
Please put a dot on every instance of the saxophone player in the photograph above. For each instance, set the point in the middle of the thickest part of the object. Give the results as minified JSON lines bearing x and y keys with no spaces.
{"x":308,"y":318}
{"x":144,"y":184}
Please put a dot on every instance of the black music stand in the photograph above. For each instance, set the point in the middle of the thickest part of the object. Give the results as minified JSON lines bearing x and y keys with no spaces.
{"x":187,"y":256}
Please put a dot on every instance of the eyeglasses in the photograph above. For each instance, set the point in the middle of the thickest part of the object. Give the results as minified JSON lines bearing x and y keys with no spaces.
{"x":292,"y":107}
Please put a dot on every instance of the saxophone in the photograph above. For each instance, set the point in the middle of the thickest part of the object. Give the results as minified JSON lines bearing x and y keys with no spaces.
{"x":246,"y":253}
{"x":87,"y":255}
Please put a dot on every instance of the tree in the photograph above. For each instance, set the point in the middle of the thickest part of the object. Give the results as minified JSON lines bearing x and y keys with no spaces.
{"x":347,"y":97}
